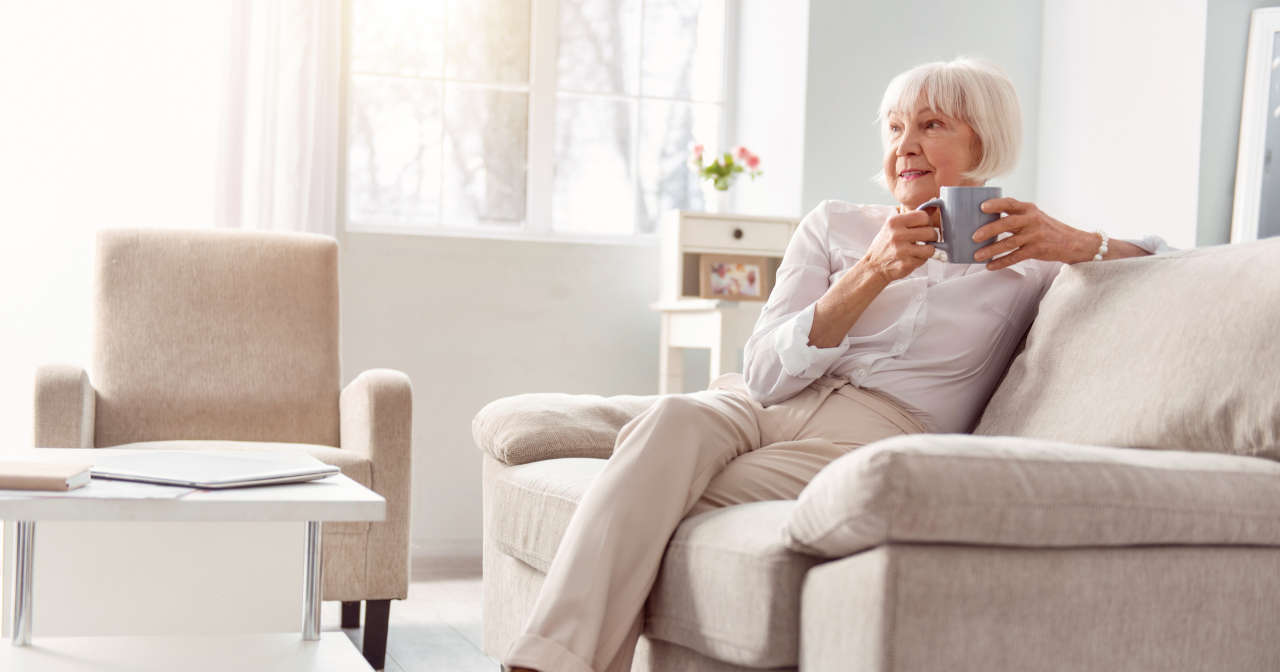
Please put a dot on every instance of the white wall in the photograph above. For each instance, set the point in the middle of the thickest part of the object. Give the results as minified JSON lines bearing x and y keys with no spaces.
{"x":770,"y":95}
{"x":1120,"y":115}
{"x":855,"y":48}
{"x":471,"y":320}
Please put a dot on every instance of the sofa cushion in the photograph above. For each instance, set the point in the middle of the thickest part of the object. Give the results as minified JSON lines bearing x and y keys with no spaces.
{"x":729,"y":587}
{"x":539,"y":426}
{"x":355,"y":466}
{"x":1010,"y":491}
{"x":1176,"y":351}
{"x":532,"y":504}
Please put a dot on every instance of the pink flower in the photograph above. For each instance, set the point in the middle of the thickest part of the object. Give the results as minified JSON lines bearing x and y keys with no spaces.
{"x":697,"y":151}
{"x":741,"y":152}
{"x":753,"y":161}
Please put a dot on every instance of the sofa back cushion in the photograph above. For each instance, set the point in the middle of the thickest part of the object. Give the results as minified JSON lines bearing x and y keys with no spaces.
{"x":1179,"y":351}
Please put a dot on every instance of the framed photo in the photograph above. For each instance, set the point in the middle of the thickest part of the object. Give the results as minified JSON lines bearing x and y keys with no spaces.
{"x":1255,"y":213}
{"x":733,"y":277}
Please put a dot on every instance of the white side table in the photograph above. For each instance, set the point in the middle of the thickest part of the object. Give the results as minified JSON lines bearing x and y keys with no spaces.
{"x":723,"y":327}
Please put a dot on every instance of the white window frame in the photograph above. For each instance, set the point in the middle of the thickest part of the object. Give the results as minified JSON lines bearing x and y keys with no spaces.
{"x":544,"y":41}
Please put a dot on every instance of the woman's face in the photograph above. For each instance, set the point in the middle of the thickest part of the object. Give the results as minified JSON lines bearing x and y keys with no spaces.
{"x":928,"y":150}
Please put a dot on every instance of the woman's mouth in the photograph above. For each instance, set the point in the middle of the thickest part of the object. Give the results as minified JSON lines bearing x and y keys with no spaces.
{"x":908,"y":175}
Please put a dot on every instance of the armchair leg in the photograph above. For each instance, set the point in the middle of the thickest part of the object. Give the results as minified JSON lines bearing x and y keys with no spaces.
{"x":376,"y":615}
{"x":351,"y":614}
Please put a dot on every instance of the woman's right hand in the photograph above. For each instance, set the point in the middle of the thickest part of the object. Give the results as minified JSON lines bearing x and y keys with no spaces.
{"x":894,"y":253}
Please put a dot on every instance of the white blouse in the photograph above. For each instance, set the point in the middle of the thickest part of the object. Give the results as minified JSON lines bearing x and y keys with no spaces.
{"x":936,"y":340}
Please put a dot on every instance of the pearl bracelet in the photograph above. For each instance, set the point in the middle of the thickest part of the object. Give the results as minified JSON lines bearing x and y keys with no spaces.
{"x":1102,"y":249}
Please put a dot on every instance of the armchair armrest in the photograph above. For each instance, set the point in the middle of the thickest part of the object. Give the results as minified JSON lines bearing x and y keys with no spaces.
{"x":542,"y":426}
{"x":376,"y":417}
{"x":65,"y":402}
{"x":1011,"y":491}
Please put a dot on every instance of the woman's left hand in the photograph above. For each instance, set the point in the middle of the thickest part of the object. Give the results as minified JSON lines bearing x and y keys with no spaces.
{"x":1035,"y":236}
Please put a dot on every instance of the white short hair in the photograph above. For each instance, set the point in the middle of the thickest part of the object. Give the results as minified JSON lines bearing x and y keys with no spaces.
{"x":973,"y":90}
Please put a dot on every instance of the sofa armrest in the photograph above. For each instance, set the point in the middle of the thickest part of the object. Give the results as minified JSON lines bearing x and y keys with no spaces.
{"x":376,"y":416}
{"x":1011,"y":491}
{"x":542,"y":426}
{"x":64,"y":407}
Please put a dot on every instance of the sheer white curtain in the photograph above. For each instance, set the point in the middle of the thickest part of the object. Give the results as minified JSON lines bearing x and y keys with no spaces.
{"x":108,"y":119}
{"x":278,"y":144}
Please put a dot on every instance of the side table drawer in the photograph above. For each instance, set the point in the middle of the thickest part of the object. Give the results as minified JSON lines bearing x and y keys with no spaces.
{"x":719,"y":234}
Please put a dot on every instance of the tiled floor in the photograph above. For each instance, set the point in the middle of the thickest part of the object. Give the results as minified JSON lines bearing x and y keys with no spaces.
{"x":437,"y":628}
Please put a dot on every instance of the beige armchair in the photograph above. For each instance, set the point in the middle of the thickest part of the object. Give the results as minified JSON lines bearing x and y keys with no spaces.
{"x":214,"y":339}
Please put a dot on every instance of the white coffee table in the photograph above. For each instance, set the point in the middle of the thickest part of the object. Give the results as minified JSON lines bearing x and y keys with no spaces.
{"x":335,"y":498}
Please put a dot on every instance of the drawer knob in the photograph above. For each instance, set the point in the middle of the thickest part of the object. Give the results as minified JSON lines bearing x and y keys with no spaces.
{"x":737,"y":234}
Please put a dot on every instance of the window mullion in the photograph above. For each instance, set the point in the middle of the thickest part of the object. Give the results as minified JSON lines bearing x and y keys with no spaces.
{"x":540,"y":170}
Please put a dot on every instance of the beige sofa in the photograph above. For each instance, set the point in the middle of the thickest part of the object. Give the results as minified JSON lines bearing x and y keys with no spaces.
{"x":228,"y":340}
{"x":1117,"y":507}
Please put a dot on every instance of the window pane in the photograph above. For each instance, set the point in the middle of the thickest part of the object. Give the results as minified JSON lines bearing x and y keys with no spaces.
{"x":398,"y":37}
{"x":593,"y":189}
{"x":484,"y":156}
{"x":666,"y":132}
{"x":393,"y":164}
{"x":683,"y":49}
{"x":489,"y":40}
{"x":599,"y":45}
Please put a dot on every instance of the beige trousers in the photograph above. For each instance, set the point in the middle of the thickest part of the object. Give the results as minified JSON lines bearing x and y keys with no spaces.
{"x":686,"y":454}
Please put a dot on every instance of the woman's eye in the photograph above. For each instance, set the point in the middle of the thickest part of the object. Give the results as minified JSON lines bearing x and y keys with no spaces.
{"x":932,"y":123}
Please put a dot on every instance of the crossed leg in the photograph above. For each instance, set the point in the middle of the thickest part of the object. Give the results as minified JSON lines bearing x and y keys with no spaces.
{"x":777,"y":471}
{"x":687,"y":454}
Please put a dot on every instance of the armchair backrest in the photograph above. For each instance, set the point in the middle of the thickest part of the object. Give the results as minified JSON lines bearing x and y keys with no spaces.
{"x":215,"y":334}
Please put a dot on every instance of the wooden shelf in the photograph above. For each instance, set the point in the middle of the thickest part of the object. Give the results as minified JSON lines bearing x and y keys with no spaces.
{"x":686,"y":236}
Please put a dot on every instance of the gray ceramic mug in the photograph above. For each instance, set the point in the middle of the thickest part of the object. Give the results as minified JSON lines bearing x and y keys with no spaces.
{"x":961,"y":211}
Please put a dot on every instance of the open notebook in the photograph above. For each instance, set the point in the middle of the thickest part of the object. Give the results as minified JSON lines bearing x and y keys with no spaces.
{"x":201,"y":469}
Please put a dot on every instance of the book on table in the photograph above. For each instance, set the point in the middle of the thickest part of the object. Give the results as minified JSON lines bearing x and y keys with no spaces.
{"x":33,"y":475}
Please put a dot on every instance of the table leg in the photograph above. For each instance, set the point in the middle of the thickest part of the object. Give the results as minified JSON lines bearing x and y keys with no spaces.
{"x":670,"y":362}
{"x":20,"y":619}
{"x":311,"y":587}
{"x":724,"y":357}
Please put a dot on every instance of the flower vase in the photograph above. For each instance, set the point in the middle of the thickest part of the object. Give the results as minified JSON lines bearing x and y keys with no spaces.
{"x":714,"y":200}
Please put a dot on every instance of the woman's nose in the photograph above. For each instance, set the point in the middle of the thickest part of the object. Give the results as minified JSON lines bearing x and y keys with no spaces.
{"x":908,"y":143}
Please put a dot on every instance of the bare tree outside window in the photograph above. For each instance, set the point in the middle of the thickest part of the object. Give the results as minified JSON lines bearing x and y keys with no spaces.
{"x":439,"y":117}
{"x":621,"y":163}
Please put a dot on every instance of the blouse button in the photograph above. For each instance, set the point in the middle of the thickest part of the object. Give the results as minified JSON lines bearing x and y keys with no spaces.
{"x":861,"y":372}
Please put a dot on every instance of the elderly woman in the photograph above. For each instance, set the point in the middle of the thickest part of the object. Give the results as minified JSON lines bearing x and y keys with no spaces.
{"x":865,"y":336}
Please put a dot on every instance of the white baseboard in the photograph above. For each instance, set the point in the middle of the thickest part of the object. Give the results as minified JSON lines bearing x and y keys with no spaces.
{"x":444,"y":559}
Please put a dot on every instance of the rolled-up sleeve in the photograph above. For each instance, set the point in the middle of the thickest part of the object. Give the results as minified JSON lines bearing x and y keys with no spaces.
{"x":778,"y":360}
{"x":1151,"y":243}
